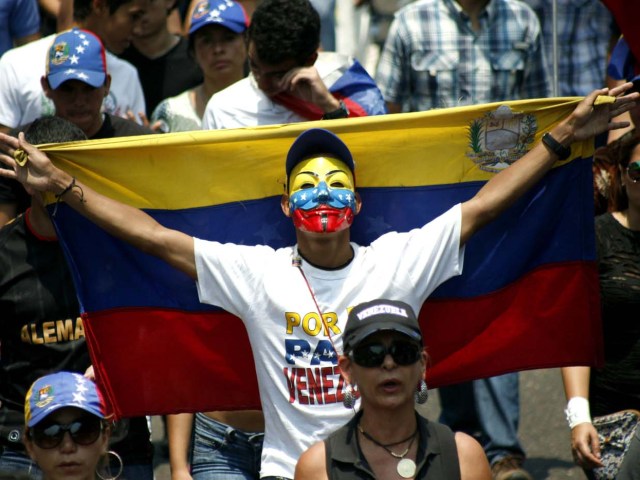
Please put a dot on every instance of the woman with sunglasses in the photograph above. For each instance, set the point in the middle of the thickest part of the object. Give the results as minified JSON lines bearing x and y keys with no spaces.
{"x":66,"y":432}
{"x":384,"y":358}
{"x":615,"y":386}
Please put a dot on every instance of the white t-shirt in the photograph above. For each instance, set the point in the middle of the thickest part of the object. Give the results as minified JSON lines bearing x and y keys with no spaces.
{"x":243,"y":104}
{"x":290,"y":346}
{"x":177,"y":114}
{"x":22,"y":99}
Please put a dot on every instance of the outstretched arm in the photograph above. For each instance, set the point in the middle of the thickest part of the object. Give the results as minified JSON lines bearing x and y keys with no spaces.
{"x":586,"y":121}
{"x":122,"y":221}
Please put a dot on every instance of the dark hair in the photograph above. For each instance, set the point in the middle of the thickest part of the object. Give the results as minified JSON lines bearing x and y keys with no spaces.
{"x":53,"y":130}
{"x":609,"y":164}
{"x":83,"y":8}
{"x":284,"y":29}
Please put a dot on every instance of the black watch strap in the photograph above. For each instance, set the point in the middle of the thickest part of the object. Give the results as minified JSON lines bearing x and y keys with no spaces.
{"x":340,"y":112}
{"x":556,"y":147}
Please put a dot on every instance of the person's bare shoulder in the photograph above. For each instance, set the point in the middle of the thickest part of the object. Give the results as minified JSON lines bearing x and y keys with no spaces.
{"x":311,"y":464}
{"x":473,"y":461}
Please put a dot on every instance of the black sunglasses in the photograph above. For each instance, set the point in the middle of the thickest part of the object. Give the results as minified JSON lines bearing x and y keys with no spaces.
{"x":633,"y":170}
{"x":83,"y":431}
{"x":372,"y":355}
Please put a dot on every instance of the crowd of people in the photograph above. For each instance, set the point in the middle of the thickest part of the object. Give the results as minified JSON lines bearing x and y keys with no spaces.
{"x":137,"y":67}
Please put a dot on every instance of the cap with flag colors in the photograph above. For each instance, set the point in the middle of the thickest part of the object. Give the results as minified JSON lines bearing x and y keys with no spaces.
{"x":76,"y":55}
{"x":58,"y":390}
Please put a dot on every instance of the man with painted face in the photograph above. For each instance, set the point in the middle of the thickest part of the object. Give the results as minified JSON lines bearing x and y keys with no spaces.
{"x":294,"y":300}
{"x":322,"y":196}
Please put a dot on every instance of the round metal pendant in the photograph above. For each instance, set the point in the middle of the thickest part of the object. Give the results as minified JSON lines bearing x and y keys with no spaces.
{"x":406,"y":468}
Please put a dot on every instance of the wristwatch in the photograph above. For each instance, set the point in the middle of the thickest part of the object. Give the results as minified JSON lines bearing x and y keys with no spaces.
{"x":340,"y":112}
{"x":556,"y":147}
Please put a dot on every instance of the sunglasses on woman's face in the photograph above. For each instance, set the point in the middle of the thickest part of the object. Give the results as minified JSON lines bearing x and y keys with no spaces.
{"x":372,"y":355}
{"x":83,"y":431}
{"x":633,"y":170}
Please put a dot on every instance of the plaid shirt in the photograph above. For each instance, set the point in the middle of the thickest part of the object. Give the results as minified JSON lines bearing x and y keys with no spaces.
{"x":432,"y":57}
{"x":585,"y":29}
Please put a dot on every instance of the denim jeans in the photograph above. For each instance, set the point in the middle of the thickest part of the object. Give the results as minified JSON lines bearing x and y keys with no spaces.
{"x":12,"y":461}
{"x":18,"y":462}
{"x":221,"y":452}
{"x":487,"y":409}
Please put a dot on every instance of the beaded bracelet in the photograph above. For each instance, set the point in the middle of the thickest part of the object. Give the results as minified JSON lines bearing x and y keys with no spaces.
{"x":67,"y":189}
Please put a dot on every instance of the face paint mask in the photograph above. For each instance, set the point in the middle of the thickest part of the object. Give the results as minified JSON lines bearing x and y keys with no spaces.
{"x":322,"y":197}
{"x":322,"y":209}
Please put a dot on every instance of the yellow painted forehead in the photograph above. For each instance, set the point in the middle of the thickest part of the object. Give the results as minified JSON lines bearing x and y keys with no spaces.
{"x":321,"y":166}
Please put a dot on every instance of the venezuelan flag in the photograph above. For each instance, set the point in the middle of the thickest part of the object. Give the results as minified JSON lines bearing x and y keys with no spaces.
{"x":528,"y":298}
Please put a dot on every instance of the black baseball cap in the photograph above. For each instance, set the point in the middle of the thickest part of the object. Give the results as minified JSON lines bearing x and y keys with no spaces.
{"x":370,"y":317}
{"x":318,"y":142}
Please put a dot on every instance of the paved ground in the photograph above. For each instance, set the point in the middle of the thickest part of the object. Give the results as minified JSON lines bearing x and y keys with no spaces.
{"x":543,"y":429}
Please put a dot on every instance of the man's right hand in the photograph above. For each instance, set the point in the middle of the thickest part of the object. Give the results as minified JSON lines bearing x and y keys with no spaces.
{"x":38,"y":173}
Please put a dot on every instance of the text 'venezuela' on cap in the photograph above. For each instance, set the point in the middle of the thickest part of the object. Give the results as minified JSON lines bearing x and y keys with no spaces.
{"x":226,"y":13}
{"x":76,"y":55}
{"x":318,"y":142}
{"x":58,"y":390}
{"x":376,"y":315}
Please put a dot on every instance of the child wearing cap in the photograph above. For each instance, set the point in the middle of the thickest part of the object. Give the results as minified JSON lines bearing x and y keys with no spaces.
{"x":384,"y":358}
{"x":66,"y":432}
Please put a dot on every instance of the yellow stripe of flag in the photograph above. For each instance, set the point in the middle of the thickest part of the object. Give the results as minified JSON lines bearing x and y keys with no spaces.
{"x":194,"y":169}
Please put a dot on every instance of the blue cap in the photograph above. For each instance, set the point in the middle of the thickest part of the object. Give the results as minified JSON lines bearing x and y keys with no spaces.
{"x":318,"y":142}
{"x":76,"y":55}
{"x":226,"y":13}
{"x":58,"y":390}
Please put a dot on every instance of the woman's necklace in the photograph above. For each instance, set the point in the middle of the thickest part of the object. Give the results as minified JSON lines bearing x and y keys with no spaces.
{"x":406,"y":467}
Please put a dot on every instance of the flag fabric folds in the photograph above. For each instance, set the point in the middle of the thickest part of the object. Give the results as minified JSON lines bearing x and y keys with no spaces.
{"x":530,"y":278}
